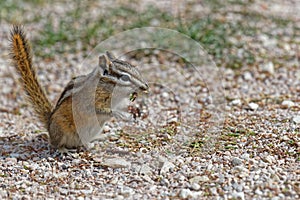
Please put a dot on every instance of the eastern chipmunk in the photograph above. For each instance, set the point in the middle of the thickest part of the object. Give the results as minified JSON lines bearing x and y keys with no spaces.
{"x":83,"y":98}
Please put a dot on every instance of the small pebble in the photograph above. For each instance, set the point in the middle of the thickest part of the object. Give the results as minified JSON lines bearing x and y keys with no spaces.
{"x":236,"y":102}
{"x":198,"y":179}
{"x":184,"y":193}
{"x":296,"y":119}
{"x":145,"y":170}
{"x":166,"y":167}
{"x":195,"y":186}
{"x":116,"y":163}
{"x":245,"y":156}
{"x":11,"y":161}
{"x":269,"y":159}
{"x":247,"y":76}
{"x":253,"y":106}
{"x":238,"y":195}
{"x":106,"y":128}
{"x":268,"y":67}
{"x":76,"y":162}
{"x":236,"y":161}
{"x":287,"y":104}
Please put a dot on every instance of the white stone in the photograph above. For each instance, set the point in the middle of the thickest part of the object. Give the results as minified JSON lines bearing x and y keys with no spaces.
{"x":87,"y":192}
{"x":63,"y":191}
{"x":269,"y":67}
{"x":296,"y":119}
{"x":195,"y":186}
{"x":238,"y":195}
{"x":3,"y":193}
{"x":145,"y":170}
{"x":148,"y":179}
{"x":270,"y":159}
{"x":166,"y":167}
{"x":245,"y":156}
{"x":213,"y":191}
{"x":236,"y":102}
{"x":165,"y":95}
{"x":285,"y":138}
{"x":119,"y":197}
{"x":181,"y":178}
{"x":258,"y":192}
{"x":253,"y":106}
{"x":188,"y":194}
{"x":267,"y":41}
{"x":162,"y":159}
{"x":197,"y":179}
{"x":247,"y":76}
{"x":287,"y":104}
{"x":11,"y":161}
{"x":1,"y":132}
{"x":106,"y":128}
{"x":275,"y":177}
{"x":236,"y":161}
{"x":6,"y":90}
{"x":76,"y":162}
{"x":127,"y":192}
{"x":116,"y":163}
{"x":185,"y":193}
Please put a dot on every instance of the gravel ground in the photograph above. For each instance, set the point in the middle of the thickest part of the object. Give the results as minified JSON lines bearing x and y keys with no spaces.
{"x":167,"y":152}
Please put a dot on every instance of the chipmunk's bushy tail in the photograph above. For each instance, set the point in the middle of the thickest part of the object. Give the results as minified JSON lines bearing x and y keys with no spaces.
{"x":22,"y":60}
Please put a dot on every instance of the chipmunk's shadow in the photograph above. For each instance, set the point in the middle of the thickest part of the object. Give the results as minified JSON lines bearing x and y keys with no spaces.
{"x":28,"y":148}
{"x":37,"y":148}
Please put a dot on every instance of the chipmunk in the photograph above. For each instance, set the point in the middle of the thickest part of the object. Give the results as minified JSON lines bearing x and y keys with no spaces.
{"x":83,"y":98}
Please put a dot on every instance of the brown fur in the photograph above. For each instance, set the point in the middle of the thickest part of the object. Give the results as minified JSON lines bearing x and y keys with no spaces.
{"x":21,"y":57}
{"x":60,"y":121}
{"x":62,"y":129}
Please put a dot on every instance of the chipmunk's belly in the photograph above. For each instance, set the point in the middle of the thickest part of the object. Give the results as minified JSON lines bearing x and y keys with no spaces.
{"x":92,"y":131}
{"x":71,"y":141}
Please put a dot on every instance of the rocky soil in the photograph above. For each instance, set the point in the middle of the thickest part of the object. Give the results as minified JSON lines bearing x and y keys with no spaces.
{"x":223,"y":128}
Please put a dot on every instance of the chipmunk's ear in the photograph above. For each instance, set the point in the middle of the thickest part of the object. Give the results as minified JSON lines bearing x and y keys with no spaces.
{"x":110,"y":55}
{"x":104,"y":63}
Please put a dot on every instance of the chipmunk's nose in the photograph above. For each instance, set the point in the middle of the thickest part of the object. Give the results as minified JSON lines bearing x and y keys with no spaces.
{"x":145,"y":87}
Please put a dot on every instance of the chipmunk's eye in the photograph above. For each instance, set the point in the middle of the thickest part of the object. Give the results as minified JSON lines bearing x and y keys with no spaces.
{"x":125,"y":78}
{"x":105,"y":72}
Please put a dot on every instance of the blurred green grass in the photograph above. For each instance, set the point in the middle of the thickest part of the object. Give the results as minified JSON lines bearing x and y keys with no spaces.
{"x":60,"y":33}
